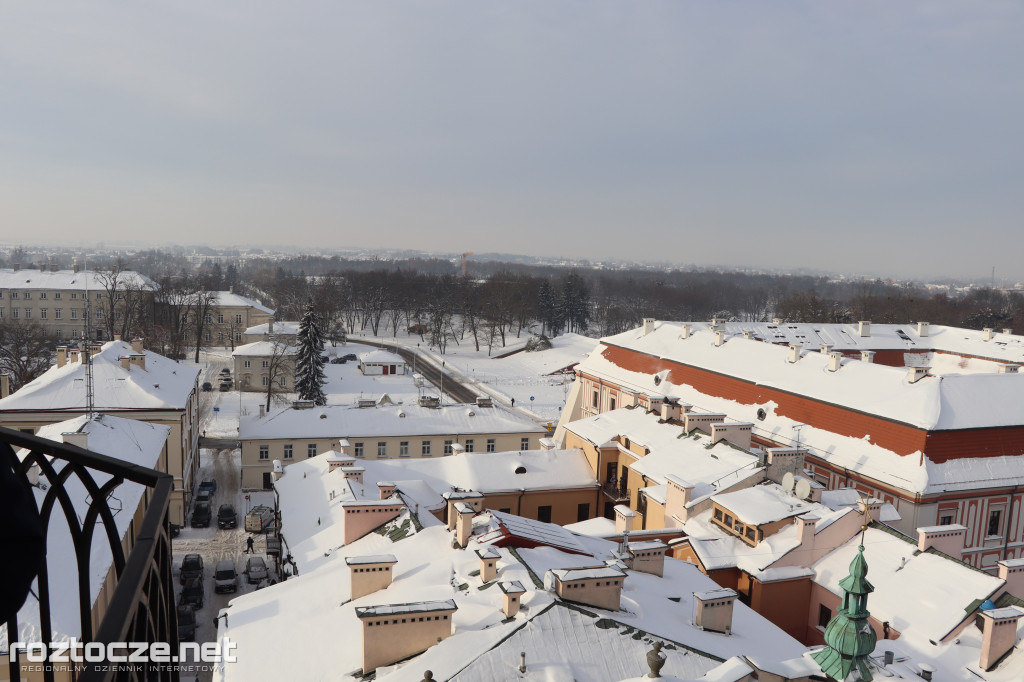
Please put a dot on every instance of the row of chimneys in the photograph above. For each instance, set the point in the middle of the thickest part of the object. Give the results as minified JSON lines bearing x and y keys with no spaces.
{"x":863,"y":330}
{"x":51,"y":266}
{"x":137,"y":357}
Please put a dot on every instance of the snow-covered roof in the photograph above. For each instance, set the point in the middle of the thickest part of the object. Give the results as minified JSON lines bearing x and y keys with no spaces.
{"x":398,"y":609}
{"x":1001,"y":347}
{"x":69,"y":279}
{"x":263,"y":349}
{"x":932,"y":403}
{"x":371,"y":559}
{"x":763,"y":504}
{"x":129,"y":440}
{"x":917,"y":592}
{"x":225,"y":299}
{"x":381,"y":357}
{"x":163,"y":384}
{"x":284,"y":327}
{"x":672,"y":452}
{"x":335,"y":421}
{"x":587,"y":573}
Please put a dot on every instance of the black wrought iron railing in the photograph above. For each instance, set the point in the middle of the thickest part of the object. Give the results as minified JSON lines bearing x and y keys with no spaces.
{"x":141,"y":606}
{"x":614,"y":491}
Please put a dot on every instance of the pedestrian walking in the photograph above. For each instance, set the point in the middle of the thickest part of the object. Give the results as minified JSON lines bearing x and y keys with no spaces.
{"x":513,"y":402}
{"x":248,"y":545}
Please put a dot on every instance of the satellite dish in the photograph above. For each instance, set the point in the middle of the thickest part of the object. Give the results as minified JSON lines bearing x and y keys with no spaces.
{"x":803,"y":489}
{"x":787,"y":482}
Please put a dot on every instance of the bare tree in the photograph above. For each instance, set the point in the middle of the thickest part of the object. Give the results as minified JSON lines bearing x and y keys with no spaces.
{"x":24,"y":351}
{"x":202,"y":303}
{"x":281,"y":365}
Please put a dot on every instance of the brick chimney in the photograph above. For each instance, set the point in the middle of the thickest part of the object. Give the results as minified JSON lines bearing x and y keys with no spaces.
{"x":670,"y":411}
{"x":126,"y":362}
{"x":947,"y":539}
{"x":737,"y":433}
{"x":488,"y":563}
{"x":464,"y":523}
{"x":117,"y":336}
{"x":805,"y":527}
{"x":547,"y":443}
{"x":678,"y":495}
{"x":998,"y":635}
{"x":369,"y":574}
{"x":5,"y":384}
{"x":137,"y":345}
{"x":394,"y":632}
{"x":77,"y":438}
{"x":599,"y":586}
{"x":625,"y":518}
{"x":354,"y":473}
{"x":713,"y":610}
{"x":648,"y":556}
{"x":512,"y":594}
{"x":472,"y":498}
{"x":362,"y":516}
{"x":386,"y":488}
{"x":62,"y":356}
{"x":1012,"y":571}
{"x":783,"y":460}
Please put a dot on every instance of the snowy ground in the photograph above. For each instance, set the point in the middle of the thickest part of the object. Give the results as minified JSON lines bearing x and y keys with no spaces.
{"x":214,"y":544}
{"x":525,"y":377}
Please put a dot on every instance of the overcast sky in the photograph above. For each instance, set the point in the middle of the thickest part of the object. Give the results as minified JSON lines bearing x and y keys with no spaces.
{"x":883,"y":137}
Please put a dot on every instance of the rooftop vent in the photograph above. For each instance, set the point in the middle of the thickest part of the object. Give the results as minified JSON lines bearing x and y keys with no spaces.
{"x":835,"y":361}
{"x":826,"y":348}
{"x":922,"y":329}
{"x":915,"y":374}
{"x":684,"y":331}
{"x":367,"y":402}
{"x":648,"y":325}
{"x":864,"y":328}
{"x":429,"y":401}
{"x":867,"y":356}
{"x":988,"y":334}
{"x":1008,"y":369}
{"x":794,"y":353}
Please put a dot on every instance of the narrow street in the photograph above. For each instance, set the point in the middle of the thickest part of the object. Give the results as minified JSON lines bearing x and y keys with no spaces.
{"x":456,"y":389}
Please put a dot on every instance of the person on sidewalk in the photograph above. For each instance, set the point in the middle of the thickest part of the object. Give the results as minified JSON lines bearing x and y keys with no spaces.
{"x":248,"y":545}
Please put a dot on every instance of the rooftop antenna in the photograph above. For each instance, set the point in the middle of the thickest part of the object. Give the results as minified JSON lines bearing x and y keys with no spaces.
{"x":90,"y":394}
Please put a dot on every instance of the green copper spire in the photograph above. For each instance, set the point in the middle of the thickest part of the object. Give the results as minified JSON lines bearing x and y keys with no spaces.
{"x":849,"y":637}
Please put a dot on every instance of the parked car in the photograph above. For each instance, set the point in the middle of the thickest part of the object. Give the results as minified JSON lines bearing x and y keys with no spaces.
{"x":192,"y":593}
{"x":256,"y":569}
{"x":352,"y":357}
{"x":225,"y":578}
{"x":208,"y":484}
{"x":207,"y":386}
{"x":225,"y":371}
{"x":226,"y":517}
{"x":260,"y":519}
{"x":174,"y":530}
{"x":204,"y":495}
{"x":224,"y":388}
{"x":191,"y":567}
{"x":338,"y":361}
{"x":201,"y":515}
{"x":186,"y":623}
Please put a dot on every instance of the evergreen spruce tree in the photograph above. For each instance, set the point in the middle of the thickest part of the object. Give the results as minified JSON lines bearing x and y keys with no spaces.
{"x":309,"y":368}
{"x":548,"y":307}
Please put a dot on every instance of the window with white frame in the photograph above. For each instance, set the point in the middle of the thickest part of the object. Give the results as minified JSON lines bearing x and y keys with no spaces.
{"x":425,"y":448}
{"x":42,"y":313}
{"x":266,"y":363}
{"x":524,"y":443}
{"x":14,"y":313}
{"x":238,"y":319}
{"x":288,"y":451}
{"x":42,"y":295}
{"x":469,"y":445}
{"x":264,"y":452}
{"x":311,"y":450}
{"x":284,"y":382}
{"x":58,"y":313}
{"x":382,"y":448}
{"x":448,"y":447}
{"x":247,"y":363}
{"x":220,"y":318}
{"x":403,"y":448}
{"x":266,"y":380}
{"x":491,"y":444}
{"x":358,"y":450}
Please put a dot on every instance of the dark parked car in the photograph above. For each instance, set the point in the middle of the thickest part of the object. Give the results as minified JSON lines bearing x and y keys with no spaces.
{"x":208,"y":484}
{"x":207,"y":386}
{"x":201,"y":515}
{"x":186,"y":623}
{"x":224,"y":388}
{"x":337,"y":361}
{"x":256,"y":569}
{"x":226,"y":517}
{"x":225,"y":578}
{"x":191,"y":567}
{"x":351,"y":356}
{"x":174,"y":530}
{"x":192,"y":593}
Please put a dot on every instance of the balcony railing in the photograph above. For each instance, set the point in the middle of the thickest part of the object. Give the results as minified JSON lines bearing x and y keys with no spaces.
{"x":615,"y":491}
{"x":141,"y":606}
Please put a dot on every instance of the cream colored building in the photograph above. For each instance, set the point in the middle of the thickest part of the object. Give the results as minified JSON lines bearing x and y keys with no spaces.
{"x":378,"y":432}
{"x":255,"y":366}
{"x":231,"y":316}
{"x":130,"y":382}
{"x":60,"y":300}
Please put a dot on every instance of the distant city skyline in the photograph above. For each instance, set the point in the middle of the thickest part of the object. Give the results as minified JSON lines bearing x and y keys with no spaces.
{"x":869,"y":137}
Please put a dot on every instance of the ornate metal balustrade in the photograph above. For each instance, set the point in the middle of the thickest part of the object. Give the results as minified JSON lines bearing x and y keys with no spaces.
{"x":615,"y":492}
{"x":141,"y":607}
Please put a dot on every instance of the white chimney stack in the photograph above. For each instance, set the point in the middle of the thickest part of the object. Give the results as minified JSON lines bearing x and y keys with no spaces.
{"x":794,"y":353}
{"x":922,"y":329}
{"x":1008,"y":369}
{"x":864,"y":328}
{"x":684,"y":332}
{"x":719,"y":337}
{"x":826,"y":348}
{"x":748,"y":334}
{"x":867,"y":356}
{"x":835,"y":361}
{"x":989,"y":333}
{"x":648,"y":325}
{"x":915,"y":374}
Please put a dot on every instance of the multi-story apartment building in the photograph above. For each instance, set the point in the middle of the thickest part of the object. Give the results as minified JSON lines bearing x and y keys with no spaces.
{"x":926,"y":418}
{"x":63,"y":301}
{"x":127,"y":382}
{"x":230,"y":316}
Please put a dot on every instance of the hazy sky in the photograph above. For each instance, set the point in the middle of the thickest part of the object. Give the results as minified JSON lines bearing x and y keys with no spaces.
{"x":855,"y":136}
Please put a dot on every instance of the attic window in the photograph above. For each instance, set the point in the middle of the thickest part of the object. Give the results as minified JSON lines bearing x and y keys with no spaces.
{"x":657,"y":380}
{"x":520,"y":470}
{"x":761,"y":414}
{"x":323,"y":416}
